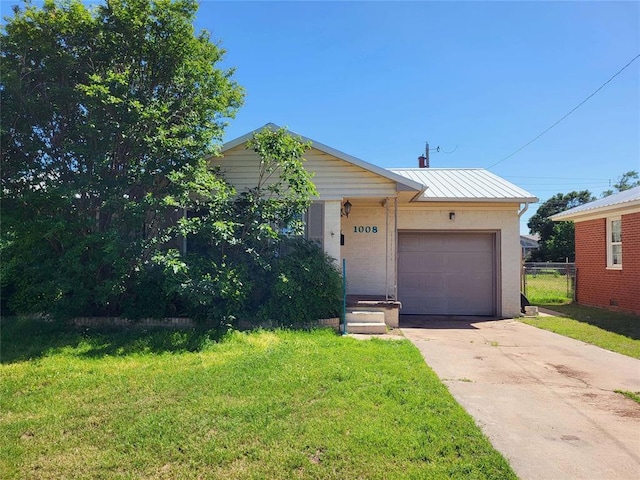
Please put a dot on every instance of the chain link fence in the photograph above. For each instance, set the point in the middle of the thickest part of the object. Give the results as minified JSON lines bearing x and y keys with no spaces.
{"x":548,"y":282}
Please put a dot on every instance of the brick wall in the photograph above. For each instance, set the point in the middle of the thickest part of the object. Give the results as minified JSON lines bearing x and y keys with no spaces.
{"x":367,"y":237}
{"x":602,"y":287}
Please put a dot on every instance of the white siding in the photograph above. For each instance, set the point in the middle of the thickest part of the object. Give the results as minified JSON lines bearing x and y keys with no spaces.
{"x":333,"y":178}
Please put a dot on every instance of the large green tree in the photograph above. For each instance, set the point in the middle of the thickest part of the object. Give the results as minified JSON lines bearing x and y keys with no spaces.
{"x":107,"y":115}
{"x":556,"y":239}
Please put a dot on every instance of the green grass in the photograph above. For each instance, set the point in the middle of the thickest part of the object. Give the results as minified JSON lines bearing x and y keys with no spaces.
{"x":615,"y":331}
{"x":547,"y":289}
{"x":625,"y":324}
{"x":281,"y":404}
{"x":635,"y":396}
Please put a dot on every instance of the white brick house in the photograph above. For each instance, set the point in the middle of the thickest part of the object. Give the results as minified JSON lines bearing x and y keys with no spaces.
{"x":440,"y":241}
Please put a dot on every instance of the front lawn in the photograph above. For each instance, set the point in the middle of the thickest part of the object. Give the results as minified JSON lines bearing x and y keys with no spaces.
{"x":615,"y":331}
{"x":280,"y":404}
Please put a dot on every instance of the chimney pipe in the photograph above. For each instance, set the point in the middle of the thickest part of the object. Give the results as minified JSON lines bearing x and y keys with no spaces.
{"x":423,"y":160}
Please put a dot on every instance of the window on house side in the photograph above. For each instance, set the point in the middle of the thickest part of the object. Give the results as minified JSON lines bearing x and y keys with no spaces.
{"x":313,"y":221}
{"x":614,"y":242}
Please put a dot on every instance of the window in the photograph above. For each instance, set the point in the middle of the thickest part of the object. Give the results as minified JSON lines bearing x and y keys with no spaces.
{"x":288,"y":230}
{"x":315,"y":223}
{"x":614,"y":242}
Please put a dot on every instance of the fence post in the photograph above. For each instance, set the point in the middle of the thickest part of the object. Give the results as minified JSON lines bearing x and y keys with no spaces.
{"x":566,"y":273}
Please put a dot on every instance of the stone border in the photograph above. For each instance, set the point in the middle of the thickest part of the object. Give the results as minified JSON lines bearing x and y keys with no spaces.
{"x":333,"y":323}
{"x":181,"y":322}
{"x":175,"y":322}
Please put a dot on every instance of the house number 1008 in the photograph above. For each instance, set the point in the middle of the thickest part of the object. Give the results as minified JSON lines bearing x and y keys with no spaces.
{"x":363,"y":229}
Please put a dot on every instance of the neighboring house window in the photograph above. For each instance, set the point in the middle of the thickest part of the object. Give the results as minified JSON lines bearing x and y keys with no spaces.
{"x":614,"y":242}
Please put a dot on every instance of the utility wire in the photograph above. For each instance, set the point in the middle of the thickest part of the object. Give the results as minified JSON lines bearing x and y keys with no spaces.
{"x":573,"y":110}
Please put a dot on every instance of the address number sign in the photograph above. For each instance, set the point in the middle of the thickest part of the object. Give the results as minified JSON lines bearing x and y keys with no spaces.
{"x":365,"y":229}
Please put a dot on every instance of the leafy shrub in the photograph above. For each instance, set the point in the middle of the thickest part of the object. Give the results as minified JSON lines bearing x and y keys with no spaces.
{"x":65,"y":275}
{"x":304,"y":286}
{"x":207,"y":287}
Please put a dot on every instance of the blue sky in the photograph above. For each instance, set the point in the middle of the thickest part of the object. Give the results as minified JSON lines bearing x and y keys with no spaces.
{"x":478,"y":79}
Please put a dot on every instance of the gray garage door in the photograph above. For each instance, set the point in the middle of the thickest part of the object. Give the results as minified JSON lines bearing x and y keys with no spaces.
{"x":447,"y":273}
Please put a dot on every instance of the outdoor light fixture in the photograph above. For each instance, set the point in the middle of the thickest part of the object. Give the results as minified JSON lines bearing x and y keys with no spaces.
{"x":452,"y":215}
{"x":346,"y":209}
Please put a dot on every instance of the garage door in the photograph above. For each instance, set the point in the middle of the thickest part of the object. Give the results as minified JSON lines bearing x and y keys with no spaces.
{"x":447,"y":273}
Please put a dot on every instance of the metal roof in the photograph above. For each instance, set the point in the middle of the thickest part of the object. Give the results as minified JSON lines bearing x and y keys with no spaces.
{"x":626,"y":198}
{"x":464,"y":185}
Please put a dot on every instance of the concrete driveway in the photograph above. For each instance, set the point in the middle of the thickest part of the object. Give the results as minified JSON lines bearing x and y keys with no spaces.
{"x":546,"y":402}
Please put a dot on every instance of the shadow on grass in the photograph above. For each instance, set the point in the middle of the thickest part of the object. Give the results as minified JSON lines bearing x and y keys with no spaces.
{"x":28,"y":339}
{"x":625,"y":324}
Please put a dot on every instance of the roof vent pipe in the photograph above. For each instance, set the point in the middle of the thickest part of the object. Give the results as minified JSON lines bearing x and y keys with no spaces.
{"x":423,"y":160}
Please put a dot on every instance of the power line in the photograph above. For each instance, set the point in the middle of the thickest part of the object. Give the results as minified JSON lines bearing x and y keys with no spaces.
{"x":573,"y":110}
{"x":599,"y":179}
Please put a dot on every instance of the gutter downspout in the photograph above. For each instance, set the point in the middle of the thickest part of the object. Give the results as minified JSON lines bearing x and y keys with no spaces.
{"x":524,"y":209}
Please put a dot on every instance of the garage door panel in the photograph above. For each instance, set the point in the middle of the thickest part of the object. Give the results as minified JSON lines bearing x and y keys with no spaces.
{"x":462,"y":261}
{"x":438,"y":303}
{"x":475,"y":260}
{"x":434,"y":286}
{"x":411,"y":243}
{"x":430,"y":262}
{"x":447,"y":273}
{"x":415,"y":262}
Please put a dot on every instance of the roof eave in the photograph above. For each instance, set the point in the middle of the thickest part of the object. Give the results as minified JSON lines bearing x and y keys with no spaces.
{"x":479,"y":200}
{"x":616,"y":209}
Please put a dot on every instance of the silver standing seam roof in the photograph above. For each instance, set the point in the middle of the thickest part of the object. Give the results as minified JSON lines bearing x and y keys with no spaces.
{"x":625,"y":198}
{"x":464,"y":185}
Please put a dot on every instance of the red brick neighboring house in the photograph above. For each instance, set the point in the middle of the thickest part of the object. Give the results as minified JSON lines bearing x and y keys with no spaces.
{"x":608,"y":251}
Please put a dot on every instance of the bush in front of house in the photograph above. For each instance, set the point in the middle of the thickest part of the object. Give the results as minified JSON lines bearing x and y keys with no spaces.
{"x":304,"y":286}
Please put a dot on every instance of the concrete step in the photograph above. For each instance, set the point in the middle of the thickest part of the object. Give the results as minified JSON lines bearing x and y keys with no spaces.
{"x":363,"y":321}
{"x":390,"y":309}
{"x":366,"y":327}
{"x":364,"y":316}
